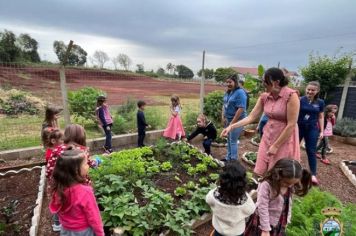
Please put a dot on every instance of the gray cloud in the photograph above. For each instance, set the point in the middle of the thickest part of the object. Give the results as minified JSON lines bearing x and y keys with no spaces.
{"x":237,"y":30}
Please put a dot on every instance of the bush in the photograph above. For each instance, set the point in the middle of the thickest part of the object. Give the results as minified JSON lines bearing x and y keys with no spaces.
{"x":307,"y":216}
{"x":15,"y":102}
{"x":127,"y":109}
{"x":119,"y":125}
{"x":221,"y":74}
{"x":190,"y":120}
{"x":345,"y":127}
{"x":213,"y":103}
{"x":154,"y":118}
{"x":82,"y":103}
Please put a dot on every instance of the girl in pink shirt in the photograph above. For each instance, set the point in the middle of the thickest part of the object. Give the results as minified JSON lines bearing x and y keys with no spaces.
{"x":72,"y":199}
{"x":274,"y":198}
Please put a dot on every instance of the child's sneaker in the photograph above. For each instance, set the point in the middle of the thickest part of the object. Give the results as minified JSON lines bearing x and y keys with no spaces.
{"x":318,"y":155}
{"x":314,"y":180}
{"x":56,"y":228}
{"x":325,"y":161}
{"x":107,"y":150}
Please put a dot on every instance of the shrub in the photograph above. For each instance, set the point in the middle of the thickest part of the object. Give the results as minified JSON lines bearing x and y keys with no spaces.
{"x":82,"y":103}
{"x":127,"y":109}
{"x":345,"y":127}
{"x":119,"y":125}
{"x":213,"y":103}
{"x":154,"y":118}
{"x":15,"y":102}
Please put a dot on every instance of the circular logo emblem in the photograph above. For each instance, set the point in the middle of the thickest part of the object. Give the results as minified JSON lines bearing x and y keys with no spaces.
{"x":331,"y":227}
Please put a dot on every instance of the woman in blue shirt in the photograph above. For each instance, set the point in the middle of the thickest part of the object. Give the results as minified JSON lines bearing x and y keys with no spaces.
{"x":234,"y":109}
{"x":311,"y":123}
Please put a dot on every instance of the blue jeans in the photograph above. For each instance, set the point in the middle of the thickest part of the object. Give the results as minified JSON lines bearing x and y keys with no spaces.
{"x":232,"y":146}
{"x":107,"y":137}
{"x":207,"y":145}
{"x":310,"y":133}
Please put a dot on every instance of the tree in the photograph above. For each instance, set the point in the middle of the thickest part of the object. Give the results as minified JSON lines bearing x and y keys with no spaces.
{"x":209,"y":73}
{"x":140,"y":69}
{"x":329,"y":71}
{"x":114,"y":61}
{"x":170,"y":67}
{"x":160,"y":71}
{"x":9,"y":52}
{"x":100,"y":58}
{"x":184,"y":72}
{"x":221,"y":74}
{"x":124,"y":60}
{"x":77,"y":55}
{"x":261,"y":71}
{"x":28,"y":47}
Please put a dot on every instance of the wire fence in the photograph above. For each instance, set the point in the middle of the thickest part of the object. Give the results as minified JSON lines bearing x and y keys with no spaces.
{"x":22,"y":113}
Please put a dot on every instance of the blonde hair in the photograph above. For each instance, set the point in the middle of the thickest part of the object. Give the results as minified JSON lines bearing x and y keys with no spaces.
{"x":203,"y":117}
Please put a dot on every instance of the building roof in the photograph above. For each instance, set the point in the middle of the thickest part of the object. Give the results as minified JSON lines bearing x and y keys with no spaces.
{"x":254,"y":71}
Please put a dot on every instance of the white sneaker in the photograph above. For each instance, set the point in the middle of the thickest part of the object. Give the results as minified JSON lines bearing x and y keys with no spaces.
{"x":56,"y":228}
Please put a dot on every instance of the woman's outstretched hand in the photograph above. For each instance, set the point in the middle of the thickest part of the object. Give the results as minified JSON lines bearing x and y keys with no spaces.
{"x":225,"y":131}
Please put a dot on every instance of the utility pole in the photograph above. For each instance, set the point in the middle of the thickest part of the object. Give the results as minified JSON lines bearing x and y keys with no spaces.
{"x":202,"y":85}
{"x":62,"y":76}
{"x":278,"y":64}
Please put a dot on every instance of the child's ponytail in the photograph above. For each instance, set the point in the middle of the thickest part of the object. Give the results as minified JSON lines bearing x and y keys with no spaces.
{"x":305,"y":184}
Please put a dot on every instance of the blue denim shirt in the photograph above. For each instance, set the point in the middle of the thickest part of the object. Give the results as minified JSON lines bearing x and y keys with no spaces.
{"x":233,"y":101}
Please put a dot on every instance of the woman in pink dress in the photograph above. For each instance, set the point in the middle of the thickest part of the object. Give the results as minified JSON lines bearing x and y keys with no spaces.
{"x":174,"y":128}
{"x":280,"y":135}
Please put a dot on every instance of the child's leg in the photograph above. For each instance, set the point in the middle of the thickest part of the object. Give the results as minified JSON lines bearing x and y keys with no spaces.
{"x":327,"y":143}
{"x":207,"y":145}
{"x":323,"y":148}
{"x":108,"y":137}
{"x":56,"y":224}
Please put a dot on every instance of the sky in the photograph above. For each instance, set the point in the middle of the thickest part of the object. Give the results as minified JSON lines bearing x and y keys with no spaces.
{"x":156,"y":32}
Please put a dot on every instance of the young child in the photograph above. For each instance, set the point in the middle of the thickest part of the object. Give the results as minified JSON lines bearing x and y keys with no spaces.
{"x":54,"y":138}
{"x":72,"y":200}
{"x":74,"y":135}
{"x":50,"y":121}
{"x":174,"y":128}
{"x":229,"y":202}
{"x":141,"y":123}
{"x":274,"y":198}
{"x":206,"y":128}
{"x":329,"y":122}
{"x":105,"y":120}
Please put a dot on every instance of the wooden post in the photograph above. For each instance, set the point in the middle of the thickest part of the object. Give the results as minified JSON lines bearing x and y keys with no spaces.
{"x":62,"y":76}
{"x":202,"y":85}
{"x":345,"y":89}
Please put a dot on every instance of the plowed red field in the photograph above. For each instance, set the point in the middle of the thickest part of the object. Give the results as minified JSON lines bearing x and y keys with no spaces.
{"x":44,"y":82}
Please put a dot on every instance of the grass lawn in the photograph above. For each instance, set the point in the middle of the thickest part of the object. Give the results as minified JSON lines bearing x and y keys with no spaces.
{"x":24,"y":131}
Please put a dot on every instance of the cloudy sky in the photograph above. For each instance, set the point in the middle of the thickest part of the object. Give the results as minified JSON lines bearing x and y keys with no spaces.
{"x":155,"y":32}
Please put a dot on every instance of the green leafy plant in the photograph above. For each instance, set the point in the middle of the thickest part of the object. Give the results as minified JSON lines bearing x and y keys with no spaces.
{"x":190,"y":185}
{"x":203,"y":181}
{"x":82,"y":103}
{"x":214,"y":176}
{"x":201,"y":168}
{"x":180,"y":191}
{"x":192,"y":171}
{"x":166,"y":166}
{"x":345,"y":127}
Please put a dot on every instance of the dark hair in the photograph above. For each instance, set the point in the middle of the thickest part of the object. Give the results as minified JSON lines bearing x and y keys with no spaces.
{"x":51,"y":111}
{"x":100,"y":100}
{"x":287,"y":168}
{"x":67,"y":171}
{"x":141,"y":103}
{"x":329,"y":108}
{"x":233,"y":182}
{"x":75,"y":134}
{"x":49,"y":134}
{"x":275,"y":74}
{"x":241,"y":82}
{"x":235,"y":78}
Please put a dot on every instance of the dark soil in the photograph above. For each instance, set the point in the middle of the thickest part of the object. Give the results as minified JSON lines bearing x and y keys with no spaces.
{"x":22,"y":188}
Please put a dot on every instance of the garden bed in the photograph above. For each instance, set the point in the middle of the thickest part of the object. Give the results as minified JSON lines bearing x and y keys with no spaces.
{"x":250,"y":158}
{"x":18,"y":194}
{"x":256,"y":140}
{"x":156,"y":189}
{"x":349,"y":169}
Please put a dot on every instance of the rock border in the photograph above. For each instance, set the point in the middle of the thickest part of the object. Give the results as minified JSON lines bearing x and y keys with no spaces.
{"x":244,"y":158}
{"x":20,"y":170}
{"x":253,"y":142}
{"x":37,"y":211}
{"x":348,"y":172}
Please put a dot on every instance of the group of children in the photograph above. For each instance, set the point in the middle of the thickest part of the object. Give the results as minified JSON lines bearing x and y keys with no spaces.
{"x":73,"y":204}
